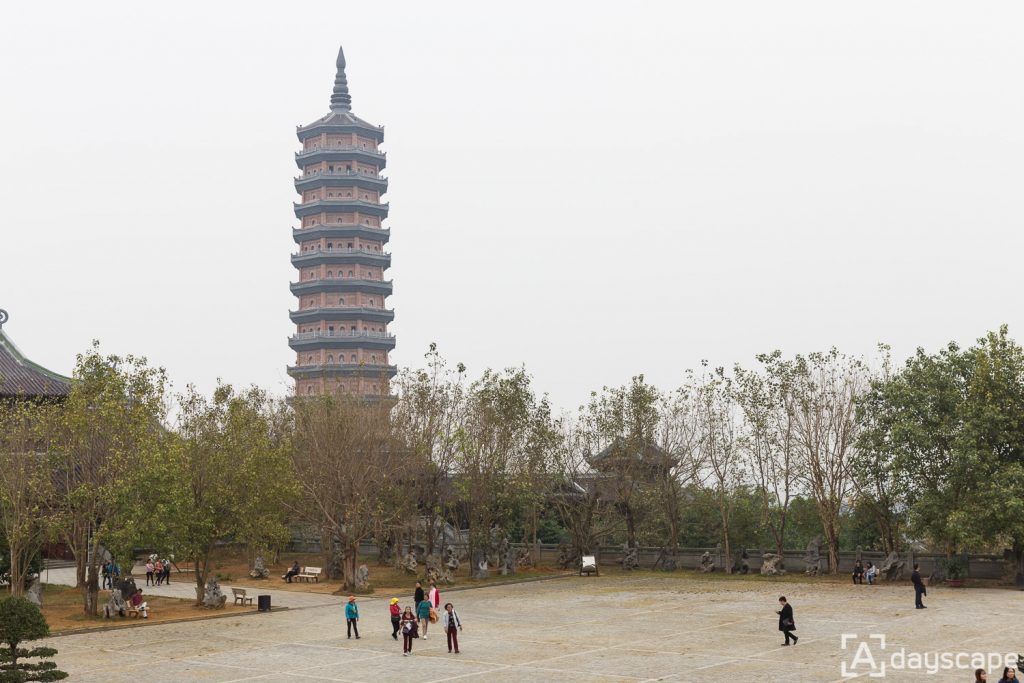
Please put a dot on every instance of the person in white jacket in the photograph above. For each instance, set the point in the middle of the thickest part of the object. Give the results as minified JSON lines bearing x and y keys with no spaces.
{"x":452,"y":625}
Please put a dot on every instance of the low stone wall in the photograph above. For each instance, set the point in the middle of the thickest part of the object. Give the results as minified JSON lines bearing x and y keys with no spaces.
{"x":980,"y":566}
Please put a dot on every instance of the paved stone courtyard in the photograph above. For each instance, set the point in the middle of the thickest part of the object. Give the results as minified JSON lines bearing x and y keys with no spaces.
{"x":639,"y":628}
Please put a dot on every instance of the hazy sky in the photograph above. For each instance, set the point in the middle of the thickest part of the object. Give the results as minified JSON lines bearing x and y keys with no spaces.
{"x":593,"y":189}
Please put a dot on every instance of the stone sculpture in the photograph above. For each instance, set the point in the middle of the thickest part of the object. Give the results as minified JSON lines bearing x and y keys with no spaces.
{"x":565,"y":560}
{"x":115,"y":606}
{"x":772,"y":564}
{"x":214,"y":597}
{"x":259,"y":570}
{"x":812,"y":560}
{"x":707,"y":564}
{"x":630,"y":557}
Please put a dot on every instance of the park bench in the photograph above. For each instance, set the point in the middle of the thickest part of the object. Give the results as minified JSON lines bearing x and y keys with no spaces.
{"x":133,"y":611}
{"x":309,"y":573}
{"x":240,"y":597}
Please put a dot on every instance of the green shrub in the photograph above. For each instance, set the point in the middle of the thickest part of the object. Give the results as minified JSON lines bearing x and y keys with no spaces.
{"x":20,"y":620}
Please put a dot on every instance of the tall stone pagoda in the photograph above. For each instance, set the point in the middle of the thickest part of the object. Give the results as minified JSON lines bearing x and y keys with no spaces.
{"x":341,"y":340}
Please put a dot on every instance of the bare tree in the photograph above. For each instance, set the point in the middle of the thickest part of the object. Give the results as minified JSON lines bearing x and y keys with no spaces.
{"x":349,"y":467}
{"x":427,"y":419}
{"x":826,"y":387}
{"x":715,"y":408}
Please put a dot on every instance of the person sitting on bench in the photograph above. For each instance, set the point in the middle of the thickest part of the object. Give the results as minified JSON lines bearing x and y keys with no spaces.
{"x":294,"y":571}
{"x":138,"y":604}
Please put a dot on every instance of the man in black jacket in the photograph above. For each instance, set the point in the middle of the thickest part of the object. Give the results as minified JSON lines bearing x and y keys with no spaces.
{"x":919,"y":589}
{"x":786,"y":623}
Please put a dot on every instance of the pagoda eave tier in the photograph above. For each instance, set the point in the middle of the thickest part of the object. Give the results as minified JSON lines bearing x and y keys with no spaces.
{"x":315,"y":181}
{"x":340,"y":284}
{"x":329,"y":257}
{"x":342,"y":370}
{"x":314,"y":315}
{"x":340,"y":122}
{"x":341,"y":231}
{"x":357,"y":341}
{"x":309,"y":157}
{"x":330,"y":205}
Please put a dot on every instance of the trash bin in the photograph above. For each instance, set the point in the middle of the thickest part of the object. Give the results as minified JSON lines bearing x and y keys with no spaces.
{"x":263,"y":603}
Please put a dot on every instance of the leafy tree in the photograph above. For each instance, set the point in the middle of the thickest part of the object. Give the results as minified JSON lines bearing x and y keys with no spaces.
{"x":228,"y":476}
{"x":20,"y":621}
{"x":107,"y":439}
{"x":25,"y":486}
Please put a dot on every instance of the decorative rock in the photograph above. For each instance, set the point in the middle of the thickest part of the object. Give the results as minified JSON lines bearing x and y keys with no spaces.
{"x":480,"y":570}
{"x":34,"y":593}
{"x":565,"y":560}
{"x":812,"y":560}
{"x":214,"y":597}
{"x":115,"y":606}
{"x":510,"y":562}
{"x":772,"y":564}
{"x":742,"y":563}
{"x":259,"y":571}
{"x":409,"y":564}
{"x":706,"y":563}
{"x":362,"y":578}
{"x":892,"y":568}
{"x":630,"y":557}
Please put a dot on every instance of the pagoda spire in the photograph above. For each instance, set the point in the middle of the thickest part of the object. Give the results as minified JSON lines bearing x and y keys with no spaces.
{"x":340,"y":99}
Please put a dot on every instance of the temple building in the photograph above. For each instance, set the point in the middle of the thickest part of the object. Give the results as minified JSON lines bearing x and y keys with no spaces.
{"x":21,"y":379}
{"x":341,"y":340}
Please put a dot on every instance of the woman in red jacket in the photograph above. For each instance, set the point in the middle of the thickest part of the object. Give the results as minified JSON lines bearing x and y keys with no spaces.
{"x":396,"y":617}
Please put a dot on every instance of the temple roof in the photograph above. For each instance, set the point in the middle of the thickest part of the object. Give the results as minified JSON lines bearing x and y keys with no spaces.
{"x":21,"y":378}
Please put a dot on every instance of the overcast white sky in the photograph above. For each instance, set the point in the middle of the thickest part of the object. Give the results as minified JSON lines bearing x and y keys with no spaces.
{"x":594,"y":190}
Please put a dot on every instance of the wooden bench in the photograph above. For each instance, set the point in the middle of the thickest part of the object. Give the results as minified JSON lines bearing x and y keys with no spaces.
{"x":240,"y":597}
{"x":309,"y":573}
{"x":135,"y":611}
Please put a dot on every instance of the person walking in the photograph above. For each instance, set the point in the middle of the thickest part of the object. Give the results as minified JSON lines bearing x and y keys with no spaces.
{"x":158,"y":572}
{"x":408,"y":630}
{"x":870,"y":573}
{"x":418,"y":595}
{"x":396,"y":617}
{"x":919,"y":589}
{"x":423,"y":615}
{"x":149,"y":573}
{"x":786,"y":623}
{"x":106,"y":570}
{"x":858,"y":573}
{"x":434,"y":595}
{"x":451,"y":624}
{"x":352,"y":616}
{"x":167,"y":571}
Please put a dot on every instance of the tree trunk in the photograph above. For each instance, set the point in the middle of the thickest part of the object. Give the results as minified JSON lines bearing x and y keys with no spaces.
{"x":200,"y":583}
{"x":17,"y":570}
{"x":630,"y":526}
{"x":832,"y":537}
{"x":91,"y":591}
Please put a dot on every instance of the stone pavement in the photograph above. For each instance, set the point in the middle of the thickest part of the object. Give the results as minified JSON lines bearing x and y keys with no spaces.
{"x":640,"y":628}
{"x":183,"y":586}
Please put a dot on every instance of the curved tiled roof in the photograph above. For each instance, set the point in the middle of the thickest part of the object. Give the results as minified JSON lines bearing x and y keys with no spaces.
{"x":21,"y":378}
